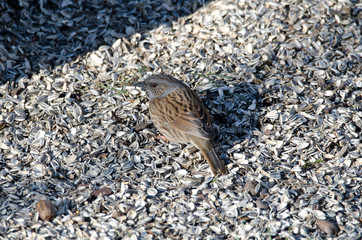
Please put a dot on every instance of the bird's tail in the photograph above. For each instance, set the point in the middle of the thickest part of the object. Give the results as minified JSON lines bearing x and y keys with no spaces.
{"x":217,"y":165}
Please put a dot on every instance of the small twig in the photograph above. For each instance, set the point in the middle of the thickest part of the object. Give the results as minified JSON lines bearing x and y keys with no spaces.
{"x":207,"y":201}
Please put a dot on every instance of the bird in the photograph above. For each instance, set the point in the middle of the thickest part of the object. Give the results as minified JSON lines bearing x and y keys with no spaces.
{"x":180,"y":115}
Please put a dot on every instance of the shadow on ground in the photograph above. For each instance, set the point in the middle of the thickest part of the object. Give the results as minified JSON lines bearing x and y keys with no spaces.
{"x":38,"y":35}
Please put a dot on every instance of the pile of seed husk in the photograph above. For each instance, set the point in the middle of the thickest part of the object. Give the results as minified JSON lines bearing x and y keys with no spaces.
{"x":81,"y":159}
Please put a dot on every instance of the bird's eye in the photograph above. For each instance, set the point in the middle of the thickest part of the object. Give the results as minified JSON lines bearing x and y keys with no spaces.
{"x":153,"y":85}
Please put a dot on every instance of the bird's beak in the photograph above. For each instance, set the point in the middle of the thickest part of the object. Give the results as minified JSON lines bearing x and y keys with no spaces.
{"x":140,"y":84}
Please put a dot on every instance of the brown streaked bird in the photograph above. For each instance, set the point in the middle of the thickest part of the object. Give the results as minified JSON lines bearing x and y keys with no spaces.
{"x":180,"y":115}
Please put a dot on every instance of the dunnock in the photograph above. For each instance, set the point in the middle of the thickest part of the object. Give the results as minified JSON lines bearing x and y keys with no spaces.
{"x":180,"y":115}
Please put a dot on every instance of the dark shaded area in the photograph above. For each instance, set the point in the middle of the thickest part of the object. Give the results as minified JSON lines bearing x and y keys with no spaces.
{"x":38,"y":35}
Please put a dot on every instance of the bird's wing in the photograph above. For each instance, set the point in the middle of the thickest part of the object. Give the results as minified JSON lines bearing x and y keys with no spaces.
{"x":183,"y":110}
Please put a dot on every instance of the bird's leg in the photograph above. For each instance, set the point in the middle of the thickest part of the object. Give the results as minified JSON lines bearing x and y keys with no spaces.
{"x":161,"y":137}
